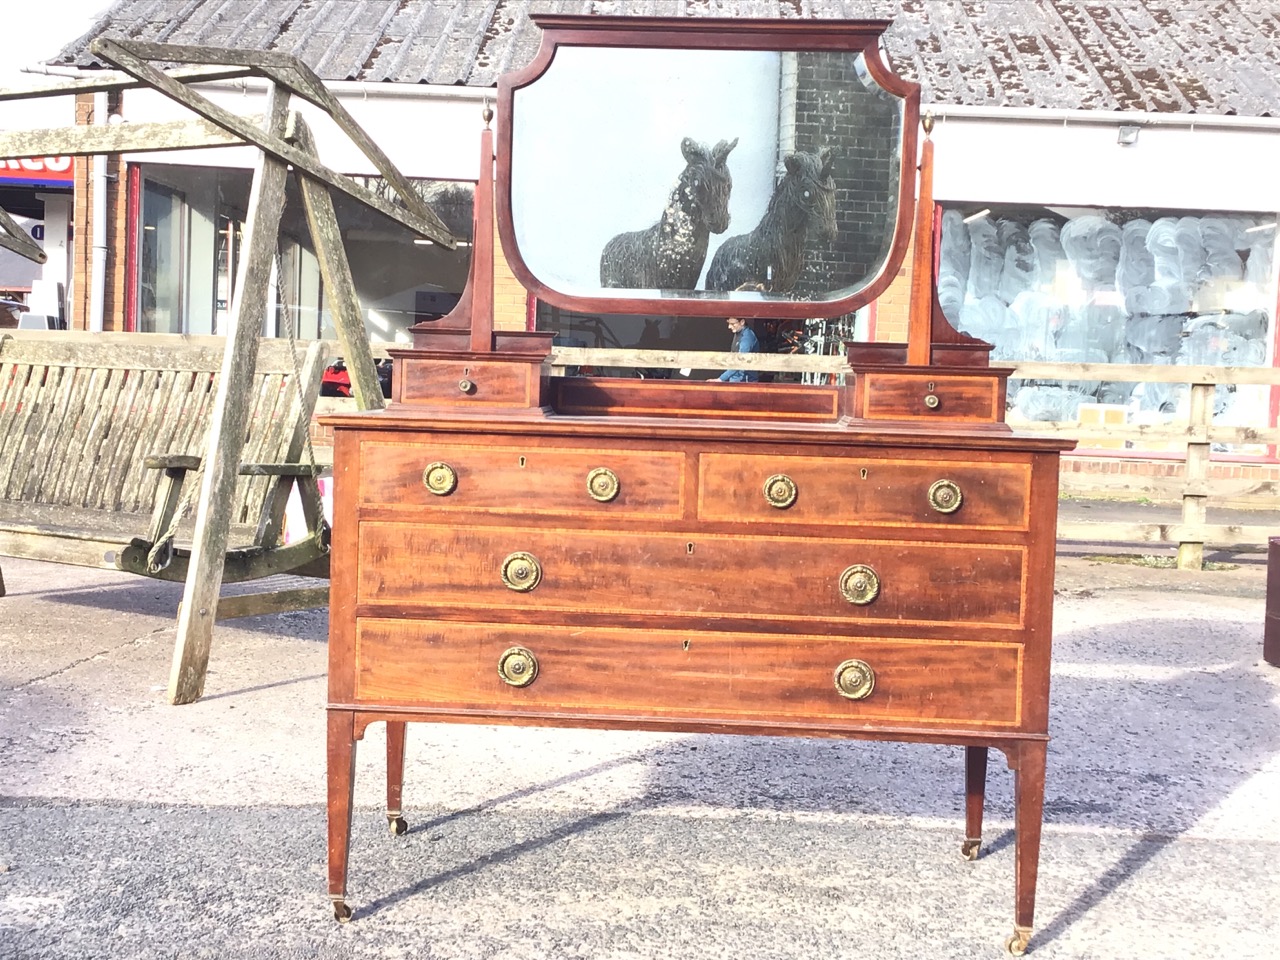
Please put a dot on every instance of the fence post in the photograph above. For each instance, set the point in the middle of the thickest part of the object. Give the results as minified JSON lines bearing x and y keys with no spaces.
{"x":1191,"y":553}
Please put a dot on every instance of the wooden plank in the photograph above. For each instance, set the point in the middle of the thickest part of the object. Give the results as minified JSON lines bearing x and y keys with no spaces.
{"x":153,"y":404}
{"x":87,"y":141}
{"x":10,"y":455}
{"x":59,"y":414}
{"x":697,"y":360}
{"x":1140,"y":373}
{"x":226,"y":434}
{"x":115,"y":422}
{"x":1191,"y":554}
{"x":276,"y":601}
{"x":1149,"y":432}
{"x":1213,"y":535}
{"x":339,"y":286}
{"x":271,"y":143}
{"x":119,"y":80}
{"x":160,"y":351}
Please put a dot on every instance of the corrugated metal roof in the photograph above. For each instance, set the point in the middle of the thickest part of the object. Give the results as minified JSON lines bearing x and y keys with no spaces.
{"x":1167,"y":56}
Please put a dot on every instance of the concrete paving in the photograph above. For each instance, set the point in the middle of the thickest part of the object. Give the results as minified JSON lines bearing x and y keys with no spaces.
{"x":132,"y":829}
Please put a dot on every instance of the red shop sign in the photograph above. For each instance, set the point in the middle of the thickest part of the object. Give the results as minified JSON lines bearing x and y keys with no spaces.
{"x":38,"y":172}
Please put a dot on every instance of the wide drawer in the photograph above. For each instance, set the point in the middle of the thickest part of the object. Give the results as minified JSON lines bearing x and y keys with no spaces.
{"x":796,"y":579}
{"x":670,"y":673}
{"x":834,"y":491}
{"x":522,"y":480}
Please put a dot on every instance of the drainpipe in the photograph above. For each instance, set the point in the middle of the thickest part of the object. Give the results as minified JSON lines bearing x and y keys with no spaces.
{"x":98,"y":274}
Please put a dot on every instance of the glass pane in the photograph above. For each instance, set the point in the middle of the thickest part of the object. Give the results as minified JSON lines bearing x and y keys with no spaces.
{"x":644,"y":173}
{"x":160,"y":260}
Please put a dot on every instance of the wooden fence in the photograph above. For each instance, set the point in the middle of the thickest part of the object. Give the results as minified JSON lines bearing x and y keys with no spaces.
{"x":1193,"y":436}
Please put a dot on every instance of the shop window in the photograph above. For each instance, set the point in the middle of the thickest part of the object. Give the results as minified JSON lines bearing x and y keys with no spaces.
{"x":1079,"y":285}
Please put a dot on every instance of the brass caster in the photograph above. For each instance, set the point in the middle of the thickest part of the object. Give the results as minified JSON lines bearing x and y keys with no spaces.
{"x":969,"y":849}
{"x":341,"y":912}
{"x":1016,"y":945}
{"x":398,"y":826}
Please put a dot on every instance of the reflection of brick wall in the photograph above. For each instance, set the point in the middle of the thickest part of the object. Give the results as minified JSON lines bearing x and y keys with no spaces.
{"x":834,"y":109}
{"x":510,"y":300}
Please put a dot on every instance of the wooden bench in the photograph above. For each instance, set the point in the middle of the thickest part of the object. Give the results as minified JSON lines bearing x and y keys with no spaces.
{"x":100,"y":435}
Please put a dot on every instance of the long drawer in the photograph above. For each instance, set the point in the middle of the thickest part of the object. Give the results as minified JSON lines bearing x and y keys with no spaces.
{"x":670,"y":673}
{"x":775,"y":578}
{"x":836,"y":491}
{"x":522,"y":480}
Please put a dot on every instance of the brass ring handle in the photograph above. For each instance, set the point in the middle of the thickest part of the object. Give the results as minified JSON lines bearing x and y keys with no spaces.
{"x":859,"y":584}
{"x":855,"y":679}
{"x":521,"y":571}
{"x":518,"y":667}
{"x":780,"y":491}
{"x":466,"y":386}
{"x":440,"y":478}
{"x":931,"y":401}
{"x":602,"y":484}
{"x":945,"y":496}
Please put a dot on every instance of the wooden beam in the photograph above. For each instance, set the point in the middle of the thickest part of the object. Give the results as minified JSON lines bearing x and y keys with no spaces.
{"x":276,"y":601}
{"x":84,"y":141}
{"x":1213,"y":535}
{"x":1140,"y":373}
{"x":273,"y":145}
{"x":294,"y":75}
{"x":339,"y":286}
{"x":230,"y":414}
{"x":1190,"y":553}
{"x":118,"y":80}
{"x":13,"y":237}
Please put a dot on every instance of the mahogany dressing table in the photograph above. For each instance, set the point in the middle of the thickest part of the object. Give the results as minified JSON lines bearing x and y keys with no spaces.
{"x":511,"y":547}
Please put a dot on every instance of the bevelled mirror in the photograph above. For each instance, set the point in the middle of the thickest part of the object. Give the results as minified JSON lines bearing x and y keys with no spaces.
{"x":763,"y":168}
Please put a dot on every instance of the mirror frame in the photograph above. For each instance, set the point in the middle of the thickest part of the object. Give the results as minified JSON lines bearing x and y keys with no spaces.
{"x":689,"y":33}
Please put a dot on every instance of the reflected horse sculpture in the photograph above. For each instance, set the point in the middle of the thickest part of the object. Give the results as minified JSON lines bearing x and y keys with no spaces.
{"x":773,"y":253}
{"x":670,"y":254}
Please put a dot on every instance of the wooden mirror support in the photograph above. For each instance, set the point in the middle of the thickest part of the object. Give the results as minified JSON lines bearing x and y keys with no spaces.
{"x":865,"y":560}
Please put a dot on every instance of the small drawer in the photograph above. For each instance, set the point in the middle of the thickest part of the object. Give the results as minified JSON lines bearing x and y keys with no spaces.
{"x":903,"y":396}
{"x":853,"y":491}
{"x":690,"y":675}
{"x":694,"y":576}
{"x":522,"y":480}
{"x":468,"y":383}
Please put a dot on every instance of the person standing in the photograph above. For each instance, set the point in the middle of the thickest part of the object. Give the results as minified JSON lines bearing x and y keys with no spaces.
{"x":744,"y":341}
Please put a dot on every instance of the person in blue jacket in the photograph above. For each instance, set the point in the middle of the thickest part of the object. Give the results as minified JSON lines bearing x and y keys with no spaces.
{"x":744,"y":341}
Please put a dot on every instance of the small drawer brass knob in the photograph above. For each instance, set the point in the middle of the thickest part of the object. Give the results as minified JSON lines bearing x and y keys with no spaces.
{"x":855,"y":679}
{"x":440,"y":478}
{"x":518,"y":667}
{"x":602,"y":484}
{"x":859,"y":584}
{"x":931,"y":401}
{"x":521,"y":571}
{"x":467,"y":386}
{"x":945,"y":496}
{"x":780,"y":491}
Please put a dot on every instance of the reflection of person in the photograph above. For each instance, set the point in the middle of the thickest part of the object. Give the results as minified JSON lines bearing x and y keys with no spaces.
{"x":744,"y":341}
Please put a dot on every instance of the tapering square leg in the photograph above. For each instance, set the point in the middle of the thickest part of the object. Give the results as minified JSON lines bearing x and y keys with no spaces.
{"x":395,"y":775}
{"x":1028,"y":762}
{"x":342,"y":780}
{"x":975,"y":794}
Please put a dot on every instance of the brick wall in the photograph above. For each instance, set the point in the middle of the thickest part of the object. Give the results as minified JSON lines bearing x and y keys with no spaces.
{"x":834,"y":109}
{"x":82,"y":228}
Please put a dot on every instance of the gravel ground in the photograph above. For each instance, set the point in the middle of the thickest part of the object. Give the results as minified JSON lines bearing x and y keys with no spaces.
{"x":132,"y":829}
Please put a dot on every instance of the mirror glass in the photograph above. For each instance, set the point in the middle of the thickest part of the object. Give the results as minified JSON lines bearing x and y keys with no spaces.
{"x":646,"y":173}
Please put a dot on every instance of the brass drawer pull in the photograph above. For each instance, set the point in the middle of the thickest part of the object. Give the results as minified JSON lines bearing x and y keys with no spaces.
{"x":518,"y":667}
{"x":440,"y":478}
{"x":931,"y":401}
{"x":945,"y":496}
{"x":467,"y":386}
{"x":859,"y":584}
{"x":602,"y":484}
{"x":855,"y":679}
{"x":780,"y":491}
{"x":521,"y":571}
